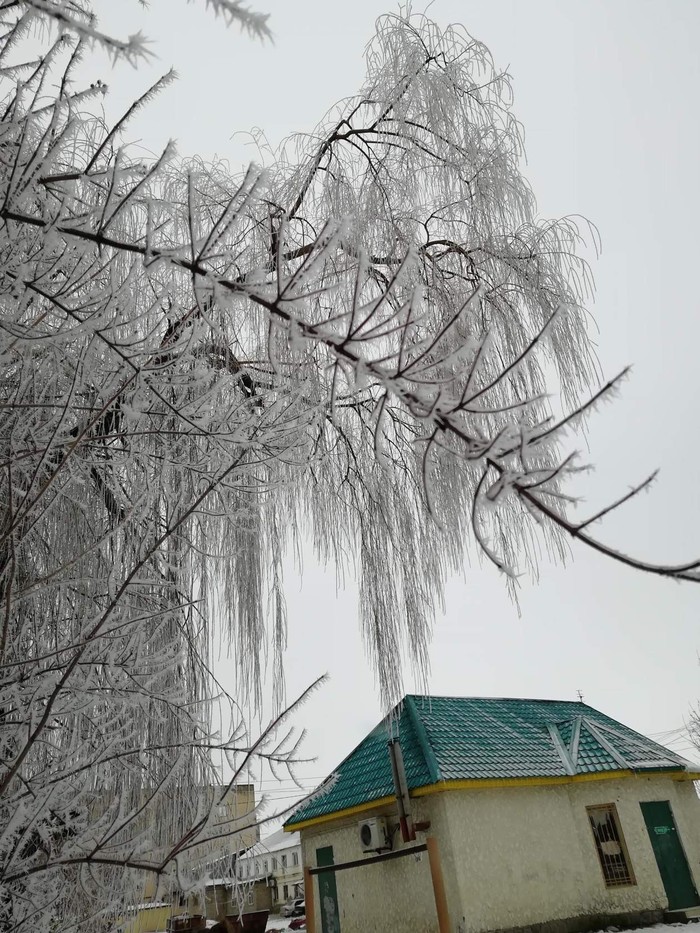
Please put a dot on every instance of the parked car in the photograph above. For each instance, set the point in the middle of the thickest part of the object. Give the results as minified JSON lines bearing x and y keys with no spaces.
{"x":294,"y":908}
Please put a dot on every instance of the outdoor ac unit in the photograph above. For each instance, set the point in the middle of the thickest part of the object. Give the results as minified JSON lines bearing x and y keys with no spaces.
{"x":373,"y":835}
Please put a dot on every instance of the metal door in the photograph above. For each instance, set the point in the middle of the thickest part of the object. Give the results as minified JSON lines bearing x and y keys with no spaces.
{"x":327,"y":892}
{"x":670,"y":857}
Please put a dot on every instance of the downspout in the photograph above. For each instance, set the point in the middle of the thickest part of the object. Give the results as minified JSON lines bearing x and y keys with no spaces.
{"x":408,"y":833}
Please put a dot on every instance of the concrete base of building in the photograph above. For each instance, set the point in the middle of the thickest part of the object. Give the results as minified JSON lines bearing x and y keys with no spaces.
{"x":590,"y":922}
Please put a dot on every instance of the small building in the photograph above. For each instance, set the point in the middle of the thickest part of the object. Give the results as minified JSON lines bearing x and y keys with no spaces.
{"x":224,"y":898}
{"x":527,"y":814}
{"x":277,"y":861}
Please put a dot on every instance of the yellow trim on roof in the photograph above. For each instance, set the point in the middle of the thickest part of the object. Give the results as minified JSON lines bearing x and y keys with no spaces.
{"x":339,"y":814}
{"x":475,"y":783}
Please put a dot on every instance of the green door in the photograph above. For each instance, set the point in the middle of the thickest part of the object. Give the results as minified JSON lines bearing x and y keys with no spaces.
{"x":327,"y":892}
{"x":670,"y":857}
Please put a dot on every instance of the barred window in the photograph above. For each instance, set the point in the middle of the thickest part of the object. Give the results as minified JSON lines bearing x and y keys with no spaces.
{"x":610,"y":845}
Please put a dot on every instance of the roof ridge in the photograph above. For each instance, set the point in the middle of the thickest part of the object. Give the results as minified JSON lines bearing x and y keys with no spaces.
{"x":641,"y":742}
{"x":424,"y":742}
{"x":615,"y":753}
{"x":447,"y":696}
{"x":561,"y":748}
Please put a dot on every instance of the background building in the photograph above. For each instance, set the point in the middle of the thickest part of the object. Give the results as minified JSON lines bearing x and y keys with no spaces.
{"x":217,"y":860}
{"x":277,"y":860}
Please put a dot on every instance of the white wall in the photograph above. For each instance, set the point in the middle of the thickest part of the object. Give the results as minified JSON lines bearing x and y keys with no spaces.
{"x":510,"y":857}
{"x":394,"y":896}
{"x":524,"y":855}
{"x":252,"y":866}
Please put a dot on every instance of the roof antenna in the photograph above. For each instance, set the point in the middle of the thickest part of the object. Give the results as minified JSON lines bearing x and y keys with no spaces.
{"x":580,"y":696}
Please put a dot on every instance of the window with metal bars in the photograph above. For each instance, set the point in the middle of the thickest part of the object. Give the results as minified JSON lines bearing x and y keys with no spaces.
{"x":610,"y":845}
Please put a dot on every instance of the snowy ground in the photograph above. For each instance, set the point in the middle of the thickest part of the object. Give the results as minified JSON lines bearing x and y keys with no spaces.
{"x":282,"y":923}
{"x":275,"y":922}
{"x":664,"y":928}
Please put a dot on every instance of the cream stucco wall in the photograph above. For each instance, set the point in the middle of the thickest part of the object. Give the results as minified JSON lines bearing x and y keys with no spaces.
{"x":532,"y":850}
{"x":394,"y":896}
{"x":511,"y":856}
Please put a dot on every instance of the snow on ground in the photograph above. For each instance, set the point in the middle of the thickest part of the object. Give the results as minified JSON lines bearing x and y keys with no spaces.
{"x":282,"y":923}
{"x":275,"y":922}
{"x":664,"y":927}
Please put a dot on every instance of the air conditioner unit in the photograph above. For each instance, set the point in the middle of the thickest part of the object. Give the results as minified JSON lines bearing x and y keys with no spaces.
{"x":373,"y":835}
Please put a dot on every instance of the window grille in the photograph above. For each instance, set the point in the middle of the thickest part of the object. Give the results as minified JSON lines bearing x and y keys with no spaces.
{"x":610,"y":845}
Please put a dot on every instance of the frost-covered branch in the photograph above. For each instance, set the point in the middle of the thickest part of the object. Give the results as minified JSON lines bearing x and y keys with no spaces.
{"x":357,"y":348}
{"x":77,"y":18}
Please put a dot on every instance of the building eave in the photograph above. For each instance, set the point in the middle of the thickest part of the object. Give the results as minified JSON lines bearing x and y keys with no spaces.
{"x":440,"y":787}
{"x":340,"y":814}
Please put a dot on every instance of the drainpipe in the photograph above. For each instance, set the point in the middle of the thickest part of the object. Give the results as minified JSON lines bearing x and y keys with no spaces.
{"x":309,"y":901}
{"x":408,"y":833}
{"x":443,"y":916}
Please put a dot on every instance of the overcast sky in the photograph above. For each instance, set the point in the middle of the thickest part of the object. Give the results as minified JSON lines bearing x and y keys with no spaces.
{"x":607,"y":93}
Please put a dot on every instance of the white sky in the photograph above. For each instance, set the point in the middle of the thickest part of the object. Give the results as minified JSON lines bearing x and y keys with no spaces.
{"x":607,"y":93}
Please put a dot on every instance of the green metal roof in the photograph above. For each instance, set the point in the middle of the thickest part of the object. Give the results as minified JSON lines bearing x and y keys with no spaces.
{"x":473,"y":738}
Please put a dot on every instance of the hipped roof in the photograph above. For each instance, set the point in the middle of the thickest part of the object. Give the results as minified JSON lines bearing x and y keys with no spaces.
{"x":446,"y":739}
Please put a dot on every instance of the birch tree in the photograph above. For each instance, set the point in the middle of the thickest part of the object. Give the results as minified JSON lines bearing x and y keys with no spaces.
{"x":354,"y":347}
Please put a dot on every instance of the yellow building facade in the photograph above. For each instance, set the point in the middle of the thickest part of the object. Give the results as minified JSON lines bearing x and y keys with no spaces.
{"x":215,"y":859}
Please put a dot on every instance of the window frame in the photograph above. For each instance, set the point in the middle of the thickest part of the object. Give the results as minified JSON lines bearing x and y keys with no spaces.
{"x":617,"y":870}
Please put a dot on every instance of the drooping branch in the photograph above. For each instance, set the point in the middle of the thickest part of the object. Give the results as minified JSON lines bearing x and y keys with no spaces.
{"x":194,"y":376}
